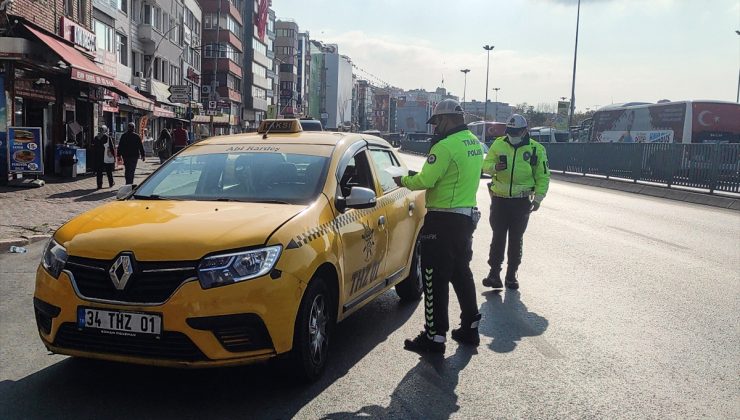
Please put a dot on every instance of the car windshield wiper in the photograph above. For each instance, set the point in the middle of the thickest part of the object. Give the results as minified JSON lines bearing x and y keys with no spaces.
{"x":268,"y":201}
{"x":154,"y":197}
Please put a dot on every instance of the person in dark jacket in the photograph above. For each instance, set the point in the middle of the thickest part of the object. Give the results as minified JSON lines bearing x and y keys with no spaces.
{"x":163,"y":145}
{"x":130,"y":148}
{"x":103,"y":157}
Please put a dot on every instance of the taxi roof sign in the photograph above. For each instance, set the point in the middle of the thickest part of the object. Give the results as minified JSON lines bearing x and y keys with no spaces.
{"x":280,"y":126}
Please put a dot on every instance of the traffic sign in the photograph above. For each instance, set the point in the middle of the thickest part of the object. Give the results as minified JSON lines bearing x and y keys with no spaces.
{"x":179,"y":99}
{"x":211,"y":104}
{"x":180,"y":90}
{"x":215,"y":112}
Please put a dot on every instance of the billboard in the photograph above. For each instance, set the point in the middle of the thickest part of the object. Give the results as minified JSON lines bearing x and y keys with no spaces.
{"x":561,"y":119}
{"x":25,"y":150}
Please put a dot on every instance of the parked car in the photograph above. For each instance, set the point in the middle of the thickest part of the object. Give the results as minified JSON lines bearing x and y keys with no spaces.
{"x":238,"y":249}
{"x":309,"y":124}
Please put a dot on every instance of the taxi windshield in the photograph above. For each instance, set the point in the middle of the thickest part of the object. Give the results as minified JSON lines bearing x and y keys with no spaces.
{"x":249,"y":177}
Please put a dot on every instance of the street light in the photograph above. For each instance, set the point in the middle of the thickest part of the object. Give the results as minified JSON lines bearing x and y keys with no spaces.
{"x":488,"y":49}
{"x":573,"y":83}
{"x":465,"y":86}
{"x":737,"y":99}
{"x":495,"y":109}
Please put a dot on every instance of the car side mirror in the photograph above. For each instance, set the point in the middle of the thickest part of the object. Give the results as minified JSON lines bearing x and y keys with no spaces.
{"x":359,"y":198}
{"x":125,"y":191}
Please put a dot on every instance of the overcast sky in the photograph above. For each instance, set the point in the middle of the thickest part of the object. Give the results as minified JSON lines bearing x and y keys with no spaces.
{"x":629,"y":50}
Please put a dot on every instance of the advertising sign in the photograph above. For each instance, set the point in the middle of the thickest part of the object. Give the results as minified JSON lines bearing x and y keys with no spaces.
{"x":25,"y":150}
{"x":561,"y":120}
{"x":715,"y":122}
{"x":641,"y":124}
{"x":71,"y":31}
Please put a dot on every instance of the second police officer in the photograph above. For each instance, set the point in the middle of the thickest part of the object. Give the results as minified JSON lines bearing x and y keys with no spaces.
{"x":450,"y":176}
{"x":520,"y":179}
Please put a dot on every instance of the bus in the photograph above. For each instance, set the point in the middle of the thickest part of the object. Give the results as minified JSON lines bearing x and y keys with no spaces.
{"x":666,"y":122}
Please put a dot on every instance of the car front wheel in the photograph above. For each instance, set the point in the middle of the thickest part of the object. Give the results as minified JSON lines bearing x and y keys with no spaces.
{"x":312,"y":332}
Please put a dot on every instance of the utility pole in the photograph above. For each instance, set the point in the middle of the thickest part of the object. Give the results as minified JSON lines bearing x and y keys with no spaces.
{"x":573,"y":83}
{"x":495,"y":107}
{"x":488,"y":49}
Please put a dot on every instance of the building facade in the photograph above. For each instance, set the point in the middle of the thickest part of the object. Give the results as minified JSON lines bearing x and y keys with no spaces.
{"x":286,"y":53}
{"x":496,"y":111}
{"x":223,"y":49}
{"x":304,"y":71}
{"x":259,"y":35}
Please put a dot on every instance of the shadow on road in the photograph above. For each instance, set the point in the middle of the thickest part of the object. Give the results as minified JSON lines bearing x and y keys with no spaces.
{"x":98,"y":196}
{"x":426,"y":392}
{"x":73,"y":193}
{"x":78,"y":388}
{"x":506,"y":320}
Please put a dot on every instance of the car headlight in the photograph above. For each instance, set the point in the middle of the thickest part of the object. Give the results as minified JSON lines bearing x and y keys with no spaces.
{"x":55,"y":256}
{"x":220,"y":270}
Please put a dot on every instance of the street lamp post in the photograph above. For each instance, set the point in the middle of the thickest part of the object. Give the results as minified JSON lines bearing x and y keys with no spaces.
{"x":737,"y":98}
{"x":488,"y":49}
{"x":573,"y":83}
{"x":465,"y":85}
{"x":495,"y":108}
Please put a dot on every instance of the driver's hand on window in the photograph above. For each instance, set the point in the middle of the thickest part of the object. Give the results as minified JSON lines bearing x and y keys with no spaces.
{"x":397,"y":180}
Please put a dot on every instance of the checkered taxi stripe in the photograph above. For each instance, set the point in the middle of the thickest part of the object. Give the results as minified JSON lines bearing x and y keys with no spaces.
{"x":343,"y":220}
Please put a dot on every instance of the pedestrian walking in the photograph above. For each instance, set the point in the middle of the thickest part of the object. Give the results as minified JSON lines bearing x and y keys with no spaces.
{"x":163,"y":145}
{"x":130,"y":148}
{"x":103,"y":156}
{"x":450,"y":176}
{"x":519,"y":182}
{"x":179,"y":138}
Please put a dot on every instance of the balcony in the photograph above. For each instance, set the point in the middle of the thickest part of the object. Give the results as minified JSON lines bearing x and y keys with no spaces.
{"x":231,"y":94}
{"x":226,"y":7}
{"x":224,"y":36}
{"x":224,"y":65}
{"x":151,"y":37}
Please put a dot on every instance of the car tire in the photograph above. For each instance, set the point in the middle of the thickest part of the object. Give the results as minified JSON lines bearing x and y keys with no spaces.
{"x":411,"y":288}
{"x":313,"y":328}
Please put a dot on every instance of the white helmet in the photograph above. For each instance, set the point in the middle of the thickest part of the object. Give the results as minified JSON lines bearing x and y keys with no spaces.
{"x":516,"y":122}
{"x":447,"y":106}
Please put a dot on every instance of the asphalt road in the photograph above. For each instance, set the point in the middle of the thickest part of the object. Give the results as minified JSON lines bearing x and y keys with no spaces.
{"x":629,"y":308}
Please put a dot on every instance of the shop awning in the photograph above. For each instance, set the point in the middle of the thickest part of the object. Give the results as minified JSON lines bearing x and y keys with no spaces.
{"x":136,"y":99}
{"x":83,"y":69}
{"x":161,"y":112}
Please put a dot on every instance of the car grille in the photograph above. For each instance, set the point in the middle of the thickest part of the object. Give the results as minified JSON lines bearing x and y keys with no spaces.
{"x":151,"y":282}
{"x":170,"y":345}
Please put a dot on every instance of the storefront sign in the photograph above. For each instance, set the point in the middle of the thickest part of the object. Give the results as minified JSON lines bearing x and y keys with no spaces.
{"x":93,"y":79}
{"x":24,"y":150}
{"x":143,"y":122}
{"x":32,"y":89}
{"x":163,"y":112}
{"x":191,"y":73}
{"x":107,"y":61}
{"x":187,"y":35}
{"x":80,"y":36}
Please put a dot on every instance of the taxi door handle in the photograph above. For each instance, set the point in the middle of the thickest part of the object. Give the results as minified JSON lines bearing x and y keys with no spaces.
{"x":381,"y":222}
{"x":412,"y":207}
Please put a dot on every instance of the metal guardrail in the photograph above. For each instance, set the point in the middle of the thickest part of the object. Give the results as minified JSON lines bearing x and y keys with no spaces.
{"x":715,"y":167}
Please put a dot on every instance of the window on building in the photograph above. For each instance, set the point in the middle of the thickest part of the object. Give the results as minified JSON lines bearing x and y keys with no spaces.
{"x":259,"y":93}
{"x":287,"y":68}
{"x":82,"y":11}
{"x":223,"y":51}
{"x":157,"y":15}
{"x":209,"y":21}
{"x":103,"y":36}
{"x":134,"y":63}
{"x":69,"y":8}
{"x":156,"y":69}
{"x":175,"y":32}
{"x":233,"y":82}
{"x":165,"y":23}
{"x":233,"y":26}
{"x":286,"y":86}
{"x":147,"y":9}
{"x":122,"y":5}
{"x":259,"y":47}
{"x":135,"y":10}
{"x":196,"y":60}
{"x":165,"y":71}
{"x":284,"y":50}
{"x":259,"y":70}
{"x":122,"y":48}
{"x":288,"y":33}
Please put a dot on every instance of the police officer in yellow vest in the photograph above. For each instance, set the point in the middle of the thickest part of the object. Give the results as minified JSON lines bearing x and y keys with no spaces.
{"x":520,"y":179}
{"x":450,"y":176}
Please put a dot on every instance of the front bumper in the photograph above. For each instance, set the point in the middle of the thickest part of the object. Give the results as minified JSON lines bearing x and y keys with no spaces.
{"x":235,"y":324}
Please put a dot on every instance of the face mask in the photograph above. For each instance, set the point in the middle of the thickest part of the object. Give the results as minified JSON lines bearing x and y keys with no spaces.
{"x":514,"y":140}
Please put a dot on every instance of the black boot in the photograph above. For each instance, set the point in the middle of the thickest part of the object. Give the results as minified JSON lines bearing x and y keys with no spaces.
{"x":423,"y":344}
{"x":468,"y":332}
{"x":511,"y":281}
{"x":493,"y":279}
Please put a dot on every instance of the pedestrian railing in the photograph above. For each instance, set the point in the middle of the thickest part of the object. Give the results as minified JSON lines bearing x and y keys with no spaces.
{"x":714,"y":167}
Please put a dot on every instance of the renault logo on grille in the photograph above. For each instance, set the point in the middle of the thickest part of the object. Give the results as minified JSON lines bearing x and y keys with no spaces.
{"x":121,"y":271}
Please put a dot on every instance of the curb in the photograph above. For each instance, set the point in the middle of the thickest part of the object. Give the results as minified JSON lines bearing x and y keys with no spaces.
{"x":653,"y":191}
{"x":25,"y":241}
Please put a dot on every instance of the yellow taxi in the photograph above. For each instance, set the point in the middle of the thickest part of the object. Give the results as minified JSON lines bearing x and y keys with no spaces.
{"x":238,"y":249}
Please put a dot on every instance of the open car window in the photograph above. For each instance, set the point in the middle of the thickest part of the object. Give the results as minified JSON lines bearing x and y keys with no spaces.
{"x":357,"y":173}
{"x":251,"y":177}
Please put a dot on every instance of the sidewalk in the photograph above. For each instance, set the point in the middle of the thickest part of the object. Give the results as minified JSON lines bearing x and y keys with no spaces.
{"x":28,"y":215}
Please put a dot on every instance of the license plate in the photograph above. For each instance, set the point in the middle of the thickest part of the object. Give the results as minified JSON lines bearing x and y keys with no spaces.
{"x":119,"y":322}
